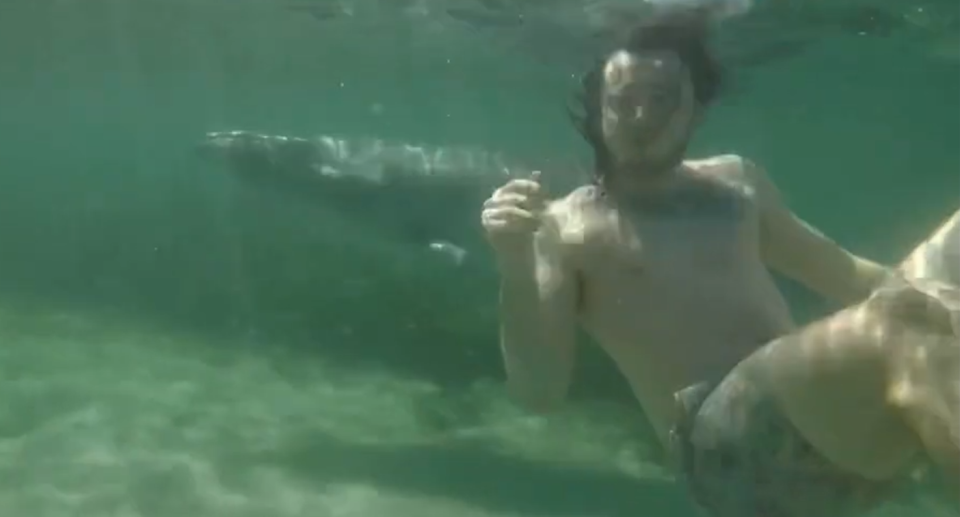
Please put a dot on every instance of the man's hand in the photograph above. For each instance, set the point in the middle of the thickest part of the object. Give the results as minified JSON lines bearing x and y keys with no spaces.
{"x":513,"y":214}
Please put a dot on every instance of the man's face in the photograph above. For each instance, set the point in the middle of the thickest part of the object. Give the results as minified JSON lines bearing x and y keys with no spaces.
{"x":648,"y":108}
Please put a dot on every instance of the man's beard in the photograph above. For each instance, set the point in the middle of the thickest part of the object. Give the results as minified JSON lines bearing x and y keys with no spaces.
{"x":656,"y":164}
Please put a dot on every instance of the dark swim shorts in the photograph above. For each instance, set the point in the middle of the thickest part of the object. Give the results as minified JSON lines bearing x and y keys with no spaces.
{"x":741,"y":458}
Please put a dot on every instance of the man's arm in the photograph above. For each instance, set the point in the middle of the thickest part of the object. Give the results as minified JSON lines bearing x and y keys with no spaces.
{"x":800,"y":251}
{"x":538,"y":313}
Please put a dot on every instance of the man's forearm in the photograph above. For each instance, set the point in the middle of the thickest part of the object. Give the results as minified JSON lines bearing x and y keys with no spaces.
{"x":536,"y":371}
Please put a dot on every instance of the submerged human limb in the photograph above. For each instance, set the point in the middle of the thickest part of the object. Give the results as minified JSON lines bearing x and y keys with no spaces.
{"x":938,"y":257}
{"x":839,"y":411}
{"x":927,"y":383}
{"x":830,"y":420}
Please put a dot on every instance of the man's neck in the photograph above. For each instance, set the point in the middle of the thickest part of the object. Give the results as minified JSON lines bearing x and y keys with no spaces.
{"x":635,"y":181}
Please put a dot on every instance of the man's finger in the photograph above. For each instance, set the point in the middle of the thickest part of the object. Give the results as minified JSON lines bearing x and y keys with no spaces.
{"x":508,"y":213}
{"x":512,"y":227}
{"x":510,"y":199}
{"x":519,"y":186}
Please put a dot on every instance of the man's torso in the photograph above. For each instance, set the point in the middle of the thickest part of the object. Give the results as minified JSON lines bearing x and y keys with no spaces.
{"x":673,"y":286}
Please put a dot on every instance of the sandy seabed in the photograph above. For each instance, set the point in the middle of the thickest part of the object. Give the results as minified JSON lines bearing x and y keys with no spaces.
{"x":104,"y":417}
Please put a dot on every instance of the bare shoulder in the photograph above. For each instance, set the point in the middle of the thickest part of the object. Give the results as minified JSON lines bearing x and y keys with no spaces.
{"x":738,"y":172}
{"x":579,"y":199}
{"x":730,"y":168}
{"x":718,"y":163}
{"x":574,"y":214}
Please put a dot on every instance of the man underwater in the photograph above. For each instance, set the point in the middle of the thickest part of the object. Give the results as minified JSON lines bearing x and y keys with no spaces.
{"x":664,"y":262}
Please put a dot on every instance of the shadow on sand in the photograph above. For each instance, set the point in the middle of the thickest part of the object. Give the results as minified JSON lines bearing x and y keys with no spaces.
{"x":473,"y":474}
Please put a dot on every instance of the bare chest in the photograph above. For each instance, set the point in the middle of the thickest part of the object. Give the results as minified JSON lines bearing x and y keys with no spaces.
{"x":682,"y":273}
{"x":701,"y":230}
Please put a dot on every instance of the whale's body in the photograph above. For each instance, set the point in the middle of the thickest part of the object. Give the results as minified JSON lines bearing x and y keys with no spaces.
{"x":422,"y":195}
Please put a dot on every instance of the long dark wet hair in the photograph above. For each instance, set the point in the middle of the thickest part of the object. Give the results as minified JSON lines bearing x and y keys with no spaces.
{"x":684,"y":31}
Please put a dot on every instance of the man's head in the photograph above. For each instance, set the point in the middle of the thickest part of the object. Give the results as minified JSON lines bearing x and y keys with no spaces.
{"x":642,"y":102}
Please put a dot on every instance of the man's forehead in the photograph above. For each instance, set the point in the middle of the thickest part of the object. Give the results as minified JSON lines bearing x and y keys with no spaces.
{"x":623,"y":65}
